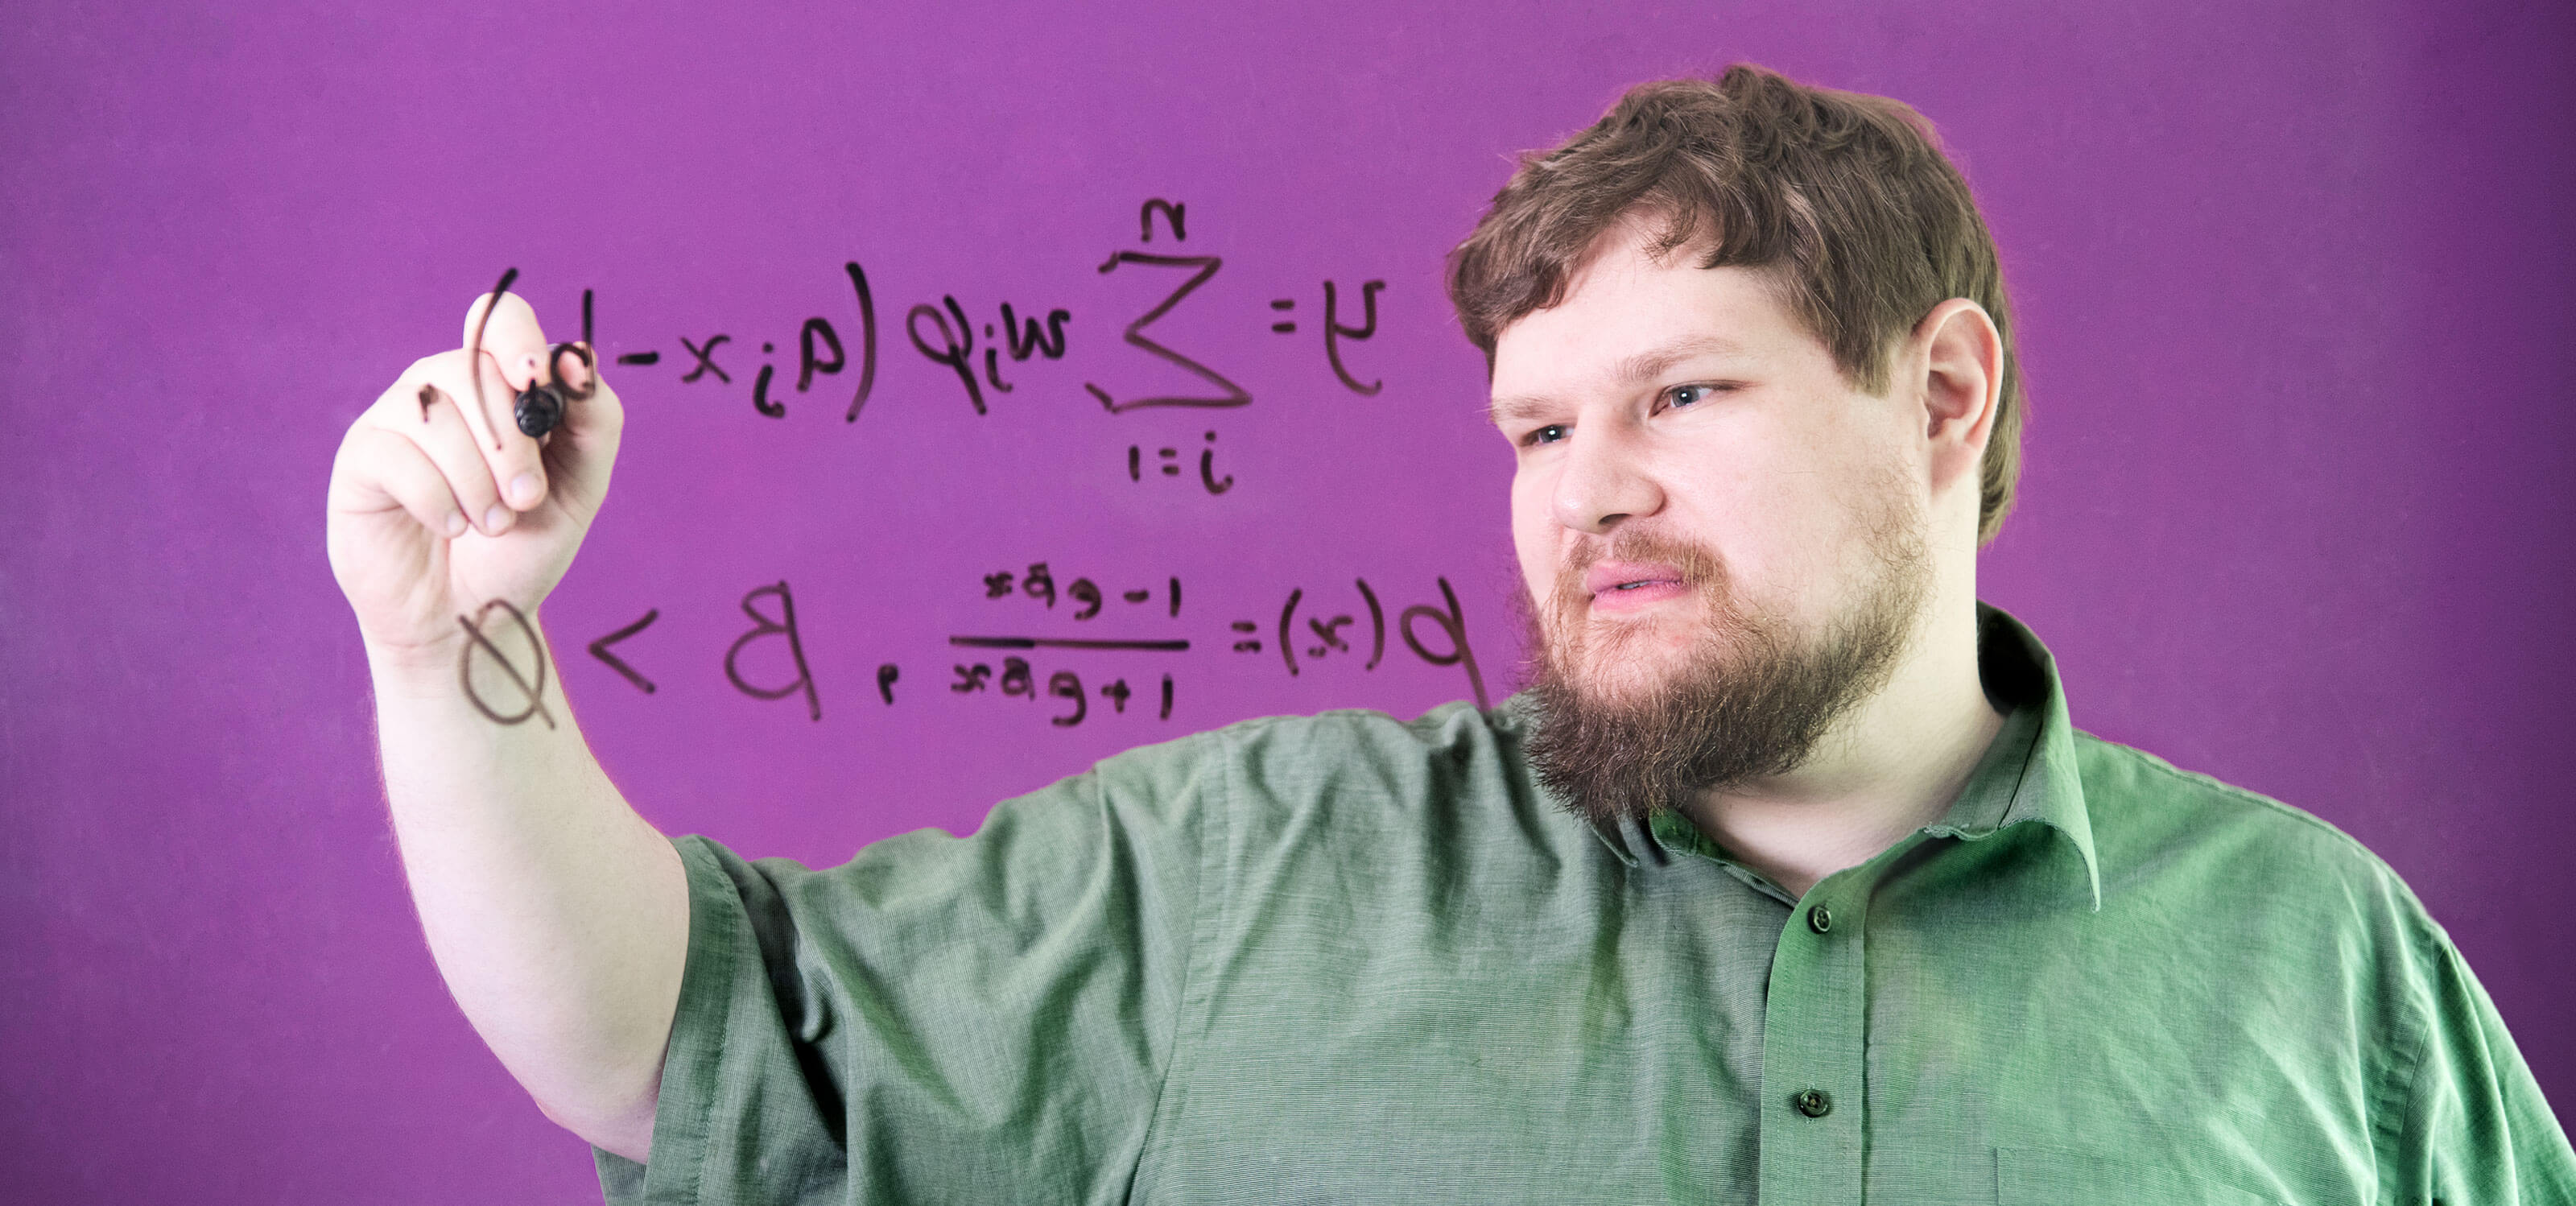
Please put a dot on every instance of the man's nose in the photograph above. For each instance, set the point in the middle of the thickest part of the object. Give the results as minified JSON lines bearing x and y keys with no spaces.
{"x":1605,"y":480}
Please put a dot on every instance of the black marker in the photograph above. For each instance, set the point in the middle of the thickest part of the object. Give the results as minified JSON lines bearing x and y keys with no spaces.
{"x":539,"y":408}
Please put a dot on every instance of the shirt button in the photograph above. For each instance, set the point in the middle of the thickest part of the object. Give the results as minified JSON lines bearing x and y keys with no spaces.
{"x":1813,"y":1103}
{"x":1820,"y":919}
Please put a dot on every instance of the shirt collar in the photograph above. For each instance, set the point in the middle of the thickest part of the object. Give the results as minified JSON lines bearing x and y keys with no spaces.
{"x":2027,"y":774}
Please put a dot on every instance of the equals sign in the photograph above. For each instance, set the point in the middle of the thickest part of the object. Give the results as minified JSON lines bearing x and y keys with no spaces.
{"x":1284,"y":326}
{"x":1251,"y":645}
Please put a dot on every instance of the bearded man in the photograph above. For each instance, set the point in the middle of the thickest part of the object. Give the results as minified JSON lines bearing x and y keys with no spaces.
{"x":1787,"y":880}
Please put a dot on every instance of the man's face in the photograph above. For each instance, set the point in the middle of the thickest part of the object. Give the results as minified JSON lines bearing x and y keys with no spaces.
{"x":1723,"y":541}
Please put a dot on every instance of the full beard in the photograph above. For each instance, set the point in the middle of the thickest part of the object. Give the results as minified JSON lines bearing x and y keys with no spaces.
{"x":1749,"y":700}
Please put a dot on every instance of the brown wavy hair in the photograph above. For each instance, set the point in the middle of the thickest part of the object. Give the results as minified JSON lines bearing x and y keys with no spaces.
{"x":1844,"y":199}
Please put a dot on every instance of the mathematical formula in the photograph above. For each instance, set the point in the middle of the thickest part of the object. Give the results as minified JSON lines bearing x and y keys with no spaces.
{"x":1040,"y":612}
{"x":982,"y":353}
{"x":990,"y":350}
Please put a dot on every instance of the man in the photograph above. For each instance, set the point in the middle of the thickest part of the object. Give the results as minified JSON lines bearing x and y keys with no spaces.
{"x":1788,"y":879}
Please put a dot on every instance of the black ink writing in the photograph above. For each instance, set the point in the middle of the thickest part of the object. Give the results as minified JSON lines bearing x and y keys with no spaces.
{"x":1019,"y":680}
{"x":1174,"y":212}
{"x":1021,"y":642}
{"x":1453,"y":624}
{"x":1065,"y":684}
{"x":764,"y":626}
{"x":867,"y":339}
{"x":760,"y":387}
{"x":1028,"y":341}
{"x":1205,"y":267}
{"x":956,"y":347}
{"x":1207,"y":469}
{"x":599,"y":649}
{"x":706,"y":357}
{"x":1335,"y":332}
{"x":531,"y":687}
{"x":1377,"y":624}
{"x":1039,"y":584}
{"x":817,"y":333}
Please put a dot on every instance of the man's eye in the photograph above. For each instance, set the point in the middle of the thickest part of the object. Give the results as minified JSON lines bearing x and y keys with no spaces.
{"x":1684,"y":395}
{"x":1548,"y":434}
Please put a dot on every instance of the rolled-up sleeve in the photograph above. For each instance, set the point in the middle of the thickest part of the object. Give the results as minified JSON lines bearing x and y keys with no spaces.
{"x":941,"y":1019}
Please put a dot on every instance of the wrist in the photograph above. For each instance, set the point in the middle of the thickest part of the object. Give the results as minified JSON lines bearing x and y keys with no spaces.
{"x":435,"y":658}
{"x":498,"y":660}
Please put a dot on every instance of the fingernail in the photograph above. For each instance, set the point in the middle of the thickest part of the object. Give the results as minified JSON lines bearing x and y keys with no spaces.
{"x":455,"y":524}
{"x":497,"y":520}
{"x":523,"y":490}
{"x":571,"y":367}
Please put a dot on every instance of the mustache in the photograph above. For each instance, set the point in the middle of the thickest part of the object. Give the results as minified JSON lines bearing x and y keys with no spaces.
{"x":1700,"y":566}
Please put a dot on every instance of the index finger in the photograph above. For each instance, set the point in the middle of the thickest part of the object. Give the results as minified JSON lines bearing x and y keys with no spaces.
{"x":502,"y":327}
{"x":511,"y":337}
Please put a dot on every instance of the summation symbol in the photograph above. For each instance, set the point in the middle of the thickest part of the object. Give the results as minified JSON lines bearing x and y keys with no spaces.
{"x":533,"y":692}
{"x":1201,"y":268}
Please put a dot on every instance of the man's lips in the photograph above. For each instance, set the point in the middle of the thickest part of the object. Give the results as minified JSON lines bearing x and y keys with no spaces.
{"x":1628,"y":585}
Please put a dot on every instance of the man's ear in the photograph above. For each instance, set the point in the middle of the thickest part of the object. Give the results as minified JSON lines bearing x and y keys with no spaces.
{"x":1960,"y":357}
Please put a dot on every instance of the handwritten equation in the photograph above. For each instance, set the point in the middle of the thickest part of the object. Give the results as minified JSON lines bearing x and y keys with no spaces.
{"x":989,"y":349}
{"x":1037,"y":612}
{"x":981,"y":351}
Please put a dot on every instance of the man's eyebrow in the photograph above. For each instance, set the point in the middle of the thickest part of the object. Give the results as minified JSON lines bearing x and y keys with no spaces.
{"x":1651,"y":363}
{"x":1636,"y":369}
{"x":1511,"y":412}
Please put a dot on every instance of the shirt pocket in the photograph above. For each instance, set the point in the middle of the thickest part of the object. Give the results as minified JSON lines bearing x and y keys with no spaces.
{"x":2038,"y":1176}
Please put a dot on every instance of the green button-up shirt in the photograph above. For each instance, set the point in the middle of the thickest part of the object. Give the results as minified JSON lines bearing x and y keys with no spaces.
{"x":1350,"y":959}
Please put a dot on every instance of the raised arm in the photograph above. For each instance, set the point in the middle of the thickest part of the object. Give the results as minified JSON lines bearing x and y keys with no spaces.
{"x":557,"y":915}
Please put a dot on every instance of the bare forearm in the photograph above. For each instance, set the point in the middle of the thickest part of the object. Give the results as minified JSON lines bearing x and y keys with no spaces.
{"x":558,"y":917}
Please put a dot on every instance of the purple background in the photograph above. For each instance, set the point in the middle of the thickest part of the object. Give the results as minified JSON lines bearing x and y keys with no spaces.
{"x":2291,"y":281}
